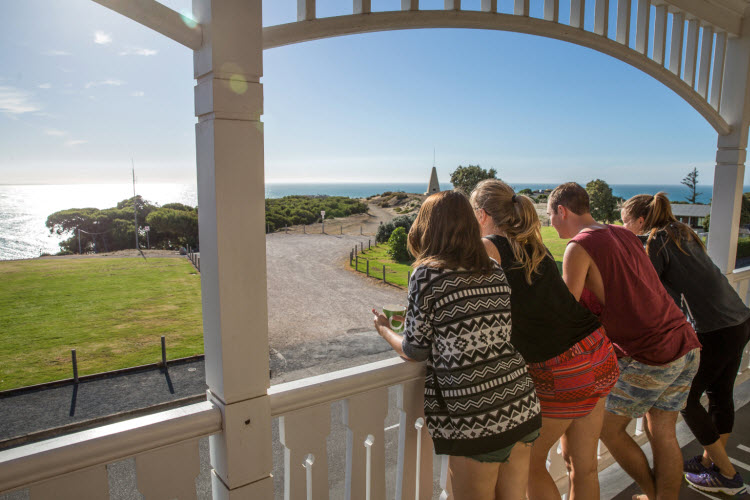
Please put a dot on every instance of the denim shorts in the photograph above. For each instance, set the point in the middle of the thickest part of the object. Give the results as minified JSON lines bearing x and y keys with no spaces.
{"x":642,"y":387}
{"x":501,"y":456}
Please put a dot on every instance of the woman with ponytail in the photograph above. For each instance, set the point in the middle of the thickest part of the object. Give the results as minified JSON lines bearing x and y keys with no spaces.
{"x":721,"y":321}
{"x":569,"y":357}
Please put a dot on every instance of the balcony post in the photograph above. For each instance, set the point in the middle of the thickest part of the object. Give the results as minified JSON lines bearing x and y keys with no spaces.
{"x":229,"y":147}
{"x":729,"y":174}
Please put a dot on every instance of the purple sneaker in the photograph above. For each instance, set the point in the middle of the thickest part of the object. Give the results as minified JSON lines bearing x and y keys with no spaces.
{"x":694,"y":465}
{"x":712,"y":480}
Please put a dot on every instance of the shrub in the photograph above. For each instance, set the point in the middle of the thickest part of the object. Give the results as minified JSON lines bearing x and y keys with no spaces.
{"x":385,"y":230}
{"x":743,"y":248}
{"x":401,"y":196}
{"x":397,"y":245}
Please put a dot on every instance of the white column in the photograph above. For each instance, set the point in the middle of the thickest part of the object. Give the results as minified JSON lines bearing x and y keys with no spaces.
{"x":229,"y":144}
{"x":732,"y":151}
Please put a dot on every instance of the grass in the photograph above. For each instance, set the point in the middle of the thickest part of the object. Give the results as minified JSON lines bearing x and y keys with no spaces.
{"x":396,"y":272}
{"x":111,"y":310}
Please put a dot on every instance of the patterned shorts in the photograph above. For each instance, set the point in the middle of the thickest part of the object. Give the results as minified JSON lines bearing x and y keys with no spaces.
{"x":642,"y":387}
{"x":570,"y":384}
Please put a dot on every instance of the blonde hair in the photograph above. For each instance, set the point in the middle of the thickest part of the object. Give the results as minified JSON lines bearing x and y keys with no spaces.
{"x":446,"y":234}
{"x":516,"y":216}
{"x":657,"y":215}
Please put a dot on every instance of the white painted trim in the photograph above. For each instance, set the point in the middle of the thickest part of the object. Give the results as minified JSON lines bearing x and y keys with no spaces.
{"x":159,"y":18}
{"x":335,"y":386}
{"x":717,"y":80}
{"x":713,"y":12}
{"x":286,"y":34}
{"x":37,"y":462}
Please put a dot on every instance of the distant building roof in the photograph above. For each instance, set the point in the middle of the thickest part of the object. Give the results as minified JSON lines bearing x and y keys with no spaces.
{"x":681,"y":210}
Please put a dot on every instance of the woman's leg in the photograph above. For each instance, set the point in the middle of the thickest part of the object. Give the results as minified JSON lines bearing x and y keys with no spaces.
{"x":513,"y":475}
{"x":473,"y":480}
{"x":580,"y":443}
{"x":543,"y":487}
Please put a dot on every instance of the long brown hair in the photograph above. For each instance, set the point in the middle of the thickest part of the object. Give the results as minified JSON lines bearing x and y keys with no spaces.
{"x":657,"y":215}
{"x":446,"y":235}
{"x":516,"y":216}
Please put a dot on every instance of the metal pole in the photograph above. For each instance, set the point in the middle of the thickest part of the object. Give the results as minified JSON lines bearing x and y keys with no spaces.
{"x":79,"y":241}
{"x":148,"y":244}
{"x":164,"y":352}
{"x":75,"y":365}
{"x":135,"y":207}
{"x":323,"y":230}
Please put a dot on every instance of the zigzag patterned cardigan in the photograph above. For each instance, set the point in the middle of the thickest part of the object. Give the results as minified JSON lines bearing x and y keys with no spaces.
{"x":478,"y":395}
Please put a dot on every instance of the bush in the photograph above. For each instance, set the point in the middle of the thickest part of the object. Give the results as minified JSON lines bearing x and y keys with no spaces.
{"x":385,"y":230}
{"x":401,"y":196}
{"x":397,"y":245}
{"x":743,"y":248}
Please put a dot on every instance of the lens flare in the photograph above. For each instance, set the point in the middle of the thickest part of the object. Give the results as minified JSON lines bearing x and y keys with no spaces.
{"x":188,"y":19}
{"x":238,"y":84}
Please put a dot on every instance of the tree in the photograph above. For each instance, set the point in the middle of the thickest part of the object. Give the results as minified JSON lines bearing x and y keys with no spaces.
{"x":385,"y":230}
{"x":602,"y":202}
{"x":691,"y":181}
{"x":397,"y":249}
{"x":466,"y":178}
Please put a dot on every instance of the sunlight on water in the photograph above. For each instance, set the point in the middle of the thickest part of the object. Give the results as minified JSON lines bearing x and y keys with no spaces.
{"x":24,"y":210}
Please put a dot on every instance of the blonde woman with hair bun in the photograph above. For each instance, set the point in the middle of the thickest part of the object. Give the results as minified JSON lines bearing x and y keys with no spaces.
{"x":721,"y":321}
{"x":569,"y":357}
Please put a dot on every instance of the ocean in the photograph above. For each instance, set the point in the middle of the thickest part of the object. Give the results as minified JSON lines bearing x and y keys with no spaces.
{"x":24,"y":209}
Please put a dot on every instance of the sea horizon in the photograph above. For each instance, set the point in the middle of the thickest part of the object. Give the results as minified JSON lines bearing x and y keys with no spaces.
{"x":24,"y":208}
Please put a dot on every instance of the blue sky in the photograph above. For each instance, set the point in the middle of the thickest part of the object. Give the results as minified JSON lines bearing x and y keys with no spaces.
{"x":83,"y":90}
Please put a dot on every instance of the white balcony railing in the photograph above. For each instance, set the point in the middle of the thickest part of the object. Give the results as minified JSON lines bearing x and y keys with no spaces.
{"x":165,"y":445}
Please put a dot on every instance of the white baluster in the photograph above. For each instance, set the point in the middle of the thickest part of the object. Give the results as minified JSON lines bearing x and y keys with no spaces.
{"x":305,"y":10}
{"x":308,"y":465}
{"x":551,"y":10}
{"x":445,"y":478}
{"x":643,"y":26}
{"x":364,"y":415}
{"x":555,"y":462}
{"x":452,"y":4}
{"x":418,"y":426}
{"x":489,"y":5}
{"x":675,"y":48}
{"x":303,"y":433}
{"x":169,"y":472}
{"x":717,"y":80}
{"x":521,"y":8}
{"x":660,"y":34}
{"x":601,"y":17}
{"x":639,"y":426}
{"x":362,"y":6}
{"x":368,"y":465}
{"x":409,"y":4}
{"x":704,"y":71}
{"x":623,"y":21}
{"x":577,"y":13}
{"x":691,"y":52}
{"x":410,"y":403}
{"x":87,"y":483}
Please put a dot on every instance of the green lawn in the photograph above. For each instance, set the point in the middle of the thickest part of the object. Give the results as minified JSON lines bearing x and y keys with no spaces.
{"x":397,"y":272}
{"x":111,"y":310}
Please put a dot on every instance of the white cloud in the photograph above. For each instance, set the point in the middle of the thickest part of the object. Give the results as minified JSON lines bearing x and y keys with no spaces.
{"x":15,"y":102}
{"x":136,"y":51}
{"x":56,"y":53}
{"x":45,"y":86}
{"x":74,"y":143}
{"x":102,"y":38}
{"x":109,"y":82}
{"x":54,"y":133}
{"x":139,"y":93}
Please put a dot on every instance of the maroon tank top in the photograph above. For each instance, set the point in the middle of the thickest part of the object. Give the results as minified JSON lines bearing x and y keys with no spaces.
{"x":640,"y":317}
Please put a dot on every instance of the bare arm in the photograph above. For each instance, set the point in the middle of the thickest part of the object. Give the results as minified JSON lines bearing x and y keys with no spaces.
{"x":576,"y":264}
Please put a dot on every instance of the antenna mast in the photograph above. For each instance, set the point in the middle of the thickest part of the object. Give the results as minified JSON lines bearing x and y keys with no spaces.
{"x":135,"y":206}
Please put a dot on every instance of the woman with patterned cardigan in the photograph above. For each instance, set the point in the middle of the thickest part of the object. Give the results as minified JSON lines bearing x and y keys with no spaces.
{"x":479,"y":398}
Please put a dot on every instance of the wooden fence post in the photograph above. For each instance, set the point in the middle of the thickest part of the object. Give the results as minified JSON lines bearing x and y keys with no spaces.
{"x":342,"y":228}
{"x":384,"y":281}
{"x":355,"y":250}
{"x":368,"y":243}
{"x":356,"y":263}
{"x":360,"y":230}
{"x":362,"y":246}
{"x":304,"y":228}
{"x":351,"y":257}
{"x":368,"y":268}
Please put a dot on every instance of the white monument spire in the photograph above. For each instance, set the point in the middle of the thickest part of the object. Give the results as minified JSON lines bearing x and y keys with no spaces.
{"x":434,"y":185}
